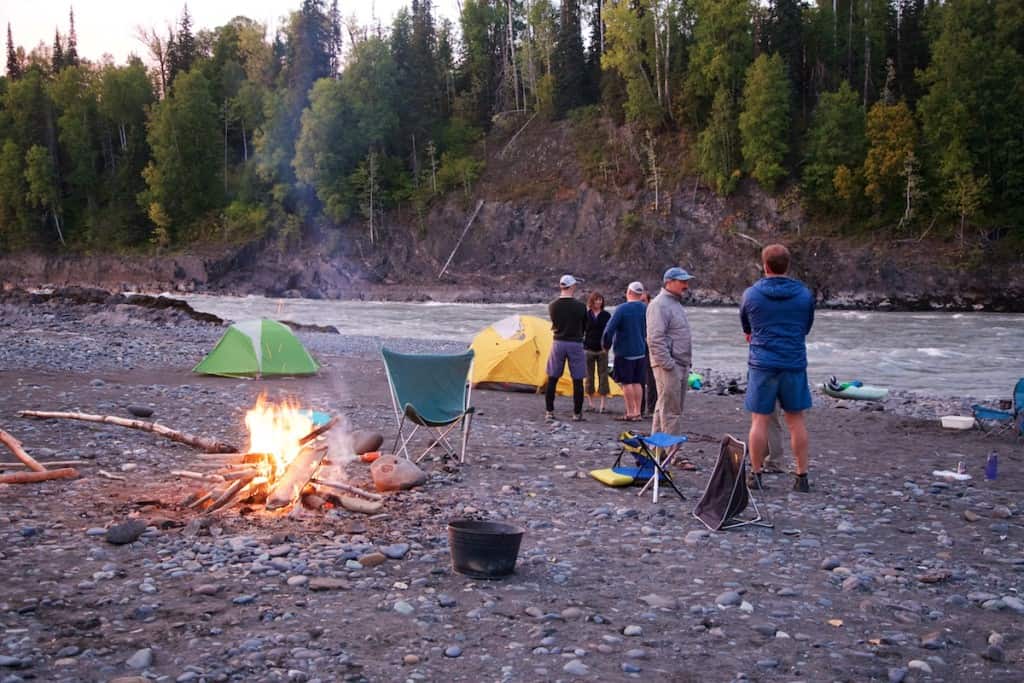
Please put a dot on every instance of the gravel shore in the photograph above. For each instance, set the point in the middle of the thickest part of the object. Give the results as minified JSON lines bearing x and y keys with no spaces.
{"x":883,"y":572}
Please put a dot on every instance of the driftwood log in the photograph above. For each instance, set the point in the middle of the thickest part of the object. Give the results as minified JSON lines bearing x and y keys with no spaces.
{"x":202,"y":443}
{"x":36,"y":477}
{"x":348,"y":488}
{"x":47,"y":464}
{"x":233,"y":490}
{"x":15,"y":447}
{"x":295,"y":477}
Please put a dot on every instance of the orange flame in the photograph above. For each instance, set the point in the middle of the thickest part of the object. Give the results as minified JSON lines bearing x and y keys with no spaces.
{"x":276,"y":429}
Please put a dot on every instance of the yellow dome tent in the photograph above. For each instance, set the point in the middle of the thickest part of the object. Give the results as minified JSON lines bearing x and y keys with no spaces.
{"x":513,"y":354}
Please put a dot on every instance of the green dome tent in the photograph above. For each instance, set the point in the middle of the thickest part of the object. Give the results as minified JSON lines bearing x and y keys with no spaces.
{"x":254,"y":348}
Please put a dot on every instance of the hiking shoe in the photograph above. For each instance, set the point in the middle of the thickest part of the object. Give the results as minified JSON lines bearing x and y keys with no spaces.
{"x":578,"y":417}
{"x":549,"y":416}
{"x":754,"y":482}
{"x":801,"y":484}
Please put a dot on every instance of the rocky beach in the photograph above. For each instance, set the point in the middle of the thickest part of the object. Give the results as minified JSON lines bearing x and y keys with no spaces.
{"x":883,"y":572}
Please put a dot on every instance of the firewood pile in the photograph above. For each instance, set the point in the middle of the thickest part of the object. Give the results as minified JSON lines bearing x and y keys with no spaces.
{"x":277,"y":484}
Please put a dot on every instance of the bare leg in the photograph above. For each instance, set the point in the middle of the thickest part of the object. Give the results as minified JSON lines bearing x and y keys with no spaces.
{"x":758,"y":440}
{"x":798,"y":439}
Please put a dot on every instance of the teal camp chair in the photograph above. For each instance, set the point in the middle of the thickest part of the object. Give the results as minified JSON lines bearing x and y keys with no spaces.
{"x":995,"y":421}
{"x":433,"y":391}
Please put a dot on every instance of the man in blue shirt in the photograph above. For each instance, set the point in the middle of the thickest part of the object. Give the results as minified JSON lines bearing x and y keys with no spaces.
{"x":777,"y":313}
{"x":626,"y":334}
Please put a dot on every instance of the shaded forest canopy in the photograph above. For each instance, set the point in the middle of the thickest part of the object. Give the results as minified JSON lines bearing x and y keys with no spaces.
{"x":887,"y":118}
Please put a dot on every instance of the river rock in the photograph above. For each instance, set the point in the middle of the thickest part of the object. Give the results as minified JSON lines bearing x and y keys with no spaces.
{"x":358,"y":504}
{"x":142,"y":659}
{"x":365,"y":441}
{"x":126,"y":532}
{"x":391,"y":473}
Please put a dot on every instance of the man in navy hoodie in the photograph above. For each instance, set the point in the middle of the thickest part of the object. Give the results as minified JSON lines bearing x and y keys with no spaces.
{"x":777,"y":314}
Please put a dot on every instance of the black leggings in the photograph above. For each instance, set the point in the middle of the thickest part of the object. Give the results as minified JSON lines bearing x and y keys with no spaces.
{"x":577,"y":395}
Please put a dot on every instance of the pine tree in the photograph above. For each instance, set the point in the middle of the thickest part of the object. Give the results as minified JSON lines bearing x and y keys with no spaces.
{"x":765,"y":120}
{"x":570,"y":66}
{"x":71,"y":52}
{"x":183,"y":54}
{"x":13,"y":60}
{"x":335,"y":21}
{"x":57,"y":57}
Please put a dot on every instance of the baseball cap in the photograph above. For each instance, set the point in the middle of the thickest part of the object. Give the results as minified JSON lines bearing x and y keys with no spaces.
{"x":569,"y":281}
{"x":636,"y":287}
{"x":676,"y":273}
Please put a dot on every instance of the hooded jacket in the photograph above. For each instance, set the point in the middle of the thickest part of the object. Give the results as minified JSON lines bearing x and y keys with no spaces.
{"x":778,"y":313}
{"x":668,"y":332}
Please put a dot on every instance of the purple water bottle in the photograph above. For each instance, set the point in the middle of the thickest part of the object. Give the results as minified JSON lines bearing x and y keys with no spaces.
{"x":992,"y":465}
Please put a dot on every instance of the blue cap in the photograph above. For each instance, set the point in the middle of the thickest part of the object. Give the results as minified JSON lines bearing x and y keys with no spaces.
{"x":676,"y":273}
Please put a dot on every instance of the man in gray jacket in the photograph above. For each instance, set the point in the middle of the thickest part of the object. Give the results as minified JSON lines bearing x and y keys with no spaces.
{"x":668,"y":338}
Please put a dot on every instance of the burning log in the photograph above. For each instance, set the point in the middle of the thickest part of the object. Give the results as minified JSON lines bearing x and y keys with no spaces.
{"x":231,"y":493}
{"x":15,"y":447}
{"x":297,"y":474}
{"x":347,"y":488}
{"x":35,"y":477}
{"x":318,"y":431}
{"x":202,"y":443}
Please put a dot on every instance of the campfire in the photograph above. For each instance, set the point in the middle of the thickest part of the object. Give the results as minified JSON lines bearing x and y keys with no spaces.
{"x":286,"y":462}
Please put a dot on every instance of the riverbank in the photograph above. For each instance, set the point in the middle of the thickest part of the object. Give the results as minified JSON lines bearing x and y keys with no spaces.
{"x":882,"y":572}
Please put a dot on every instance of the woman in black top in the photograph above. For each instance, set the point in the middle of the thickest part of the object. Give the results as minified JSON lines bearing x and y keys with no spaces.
{"x":597,"y":319}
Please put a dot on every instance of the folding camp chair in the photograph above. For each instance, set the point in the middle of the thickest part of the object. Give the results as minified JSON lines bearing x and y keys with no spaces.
{"x":726,"y":495}
{"x":993,"y":421}
{"x":433,"y":391}
{"x":652,"y":455}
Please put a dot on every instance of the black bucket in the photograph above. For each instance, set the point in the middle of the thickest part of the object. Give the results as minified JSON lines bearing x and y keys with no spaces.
{"x":483,"y":550}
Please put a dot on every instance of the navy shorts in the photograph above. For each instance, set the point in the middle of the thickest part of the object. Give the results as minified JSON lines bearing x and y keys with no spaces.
{"x":630,"y":370}
{"x":788,"y":387}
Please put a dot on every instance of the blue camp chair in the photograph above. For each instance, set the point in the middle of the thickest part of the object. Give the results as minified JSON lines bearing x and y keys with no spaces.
{"x":433,"y":391}
{"x":995,"y":421}
{"x":652,"y":455}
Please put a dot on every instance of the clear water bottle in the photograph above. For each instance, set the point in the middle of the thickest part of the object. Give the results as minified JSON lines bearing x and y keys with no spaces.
{"x":992,"y":465}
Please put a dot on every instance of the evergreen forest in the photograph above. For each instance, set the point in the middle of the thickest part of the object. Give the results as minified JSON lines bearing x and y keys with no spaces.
{"x":886,"y":118}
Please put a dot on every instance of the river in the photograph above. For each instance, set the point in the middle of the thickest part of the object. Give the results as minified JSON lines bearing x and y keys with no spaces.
{"x":933,"y":354}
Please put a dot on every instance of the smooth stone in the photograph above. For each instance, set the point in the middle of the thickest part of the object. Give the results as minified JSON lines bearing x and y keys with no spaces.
{"x":298,"y":580}
{"x":396,"y":551}
{"x":696,"y":536}
{"x":576,"y":668}
{"x":919,"y":665}
{"x":208,"y":589}
{"x":971,"y":516}
{"x":728,"y":598}
{"x":444,"y":600}
{"x":404,"y":608}
{"x":244,"y":599}
{"x":372,"y":559}
{"x":897,"y":674}
{"x":829,"y":563}
{"x":126,"y":532}
{"x":994,"y":653}
{"x":632,"y":630}
{"x":660,"y":601}
{"x":1014,"y":603}
{"x":142,"y":659}
{"x":366,"y":441}
{"x":324,"y":583}
{"x":140,"y":411}
{"x":10,"y":662}
{"x":629,"y":668}
{"x":391,"y":473}
{"x":452,"y":651}
{"x":411,"y":660}
{"x":572,"y":613}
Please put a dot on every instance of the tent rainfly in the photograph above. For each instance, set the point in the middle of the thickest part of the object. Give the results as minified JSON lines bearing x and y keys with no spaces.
{"x":257,"y":348}
{"x":512,"y":354}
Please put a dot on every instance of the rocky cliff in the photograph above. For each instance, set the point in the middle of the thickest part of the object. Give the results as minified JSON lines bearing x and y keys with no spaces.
{"x":543,"y":215}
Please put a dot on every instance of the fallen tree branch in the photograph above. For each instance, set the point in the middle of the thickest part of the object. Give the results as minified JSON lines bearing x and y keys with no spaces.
{"x":108,"y":475}
{"x":202,"y":443}
{"x":47,"y":464}
{"x":36,"y":477}
{"x":15,"y":447}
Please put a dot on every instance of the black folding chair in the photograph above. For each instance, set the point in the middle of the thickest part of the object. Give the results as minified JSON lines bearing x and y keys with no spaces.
{"x":726,"y":495}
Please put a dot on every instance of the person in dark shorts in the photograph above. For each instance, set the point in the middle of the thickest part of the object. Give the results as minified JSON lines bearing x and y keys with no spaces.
{"x":597,"y":357}
{"x":776,"y":314}
{"x":568,"y":323}
{"x":626,"y":335}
